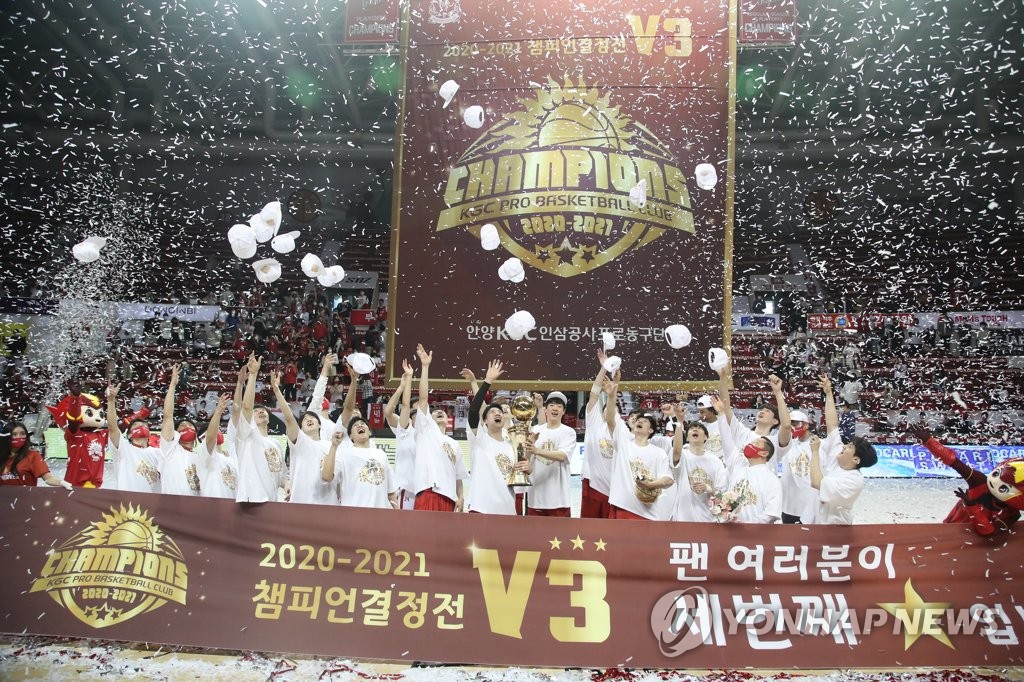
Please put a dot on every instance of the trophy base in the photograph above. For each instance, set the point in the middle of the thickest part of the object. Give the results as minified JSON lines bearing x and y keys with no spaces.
{"x":519,"y":478}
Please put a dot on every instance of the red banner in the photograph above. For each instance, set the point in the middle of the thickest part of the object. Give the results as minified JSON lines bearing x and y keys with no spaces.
{"x":470,"y":588}
{"x":371,"y":21}
{"x":831,"y":322}
{"x":545,"y":143}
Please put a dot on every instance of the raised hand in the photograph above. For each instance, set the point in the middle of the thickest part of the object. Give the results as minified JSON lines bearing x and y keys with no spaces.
{"x":815,"y":444}
{"x":174,"y":375}
{"x":329,"y":359}
{"x":920,"y":432}
{"x":776,"y":383}
{"x":717,"y":403}
{"x":601,"y":356}
{"x":275,"y":381}
{"x":467,"y":374}
{"x":423,"y":355}
{"x":254,"y":363}
{"x":406,"y":368}
{"x":494,"y":370}
{"x":112,"y":390}
{"x":679,"y":410}
{"x":825,"y":383}
{"x":222,"y":403}
{"x":337,"y":437}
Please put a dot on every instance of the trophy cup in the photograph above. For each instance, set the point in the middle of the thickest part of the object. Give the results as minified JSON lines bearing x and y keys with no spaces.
{"x":523,"y":411}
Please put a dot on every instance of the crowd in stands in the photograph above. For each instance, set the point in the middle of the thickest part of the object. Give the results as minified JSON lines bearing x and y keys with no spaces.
{"x":959,"y":380}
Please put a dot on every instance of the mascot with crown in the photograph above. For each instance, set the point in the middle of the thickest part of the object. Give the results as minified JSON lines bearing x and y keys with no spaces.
{"x":84,"y":424}
{"x":990,"y":503}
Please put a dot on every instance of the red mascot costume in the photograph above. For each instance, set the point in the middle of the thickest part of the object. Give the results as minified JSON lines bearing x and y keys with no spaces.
{"x":990,"y":503}
{"x":85,"y":431}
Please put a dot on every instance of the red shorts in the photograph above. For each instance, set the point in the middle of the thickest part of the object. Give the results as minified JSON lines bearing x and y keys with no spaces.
{"x":594,"y":504}
{"x":618,"y":513}
{"x":563,"y":512}
{"x":428,"y":500}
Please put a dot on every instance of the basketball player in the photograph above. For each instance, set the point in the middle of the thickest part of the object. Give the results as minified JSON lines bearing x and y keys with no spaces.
{"x":260,"y":458}
{"x":136,"y":462}
{"x":179,"y":463}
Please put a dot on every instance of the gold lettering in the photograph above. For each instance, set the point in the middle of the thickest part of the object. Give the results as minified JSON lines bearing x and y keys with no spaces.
{"x":643,"y":34}
{"x":600,"y":170}
{"x":452,"y":193}
{"x":509,"y":177}
{"x":481,"y":179}
{"x":577,"y":163}
{"x":127,"y":557}
{"x":682,"y":45}
{"x":651,"y":171}
{"x":543,"y":170}
{"x":623,"y":172}
{"x":597,"y":620}
{"x":506,"y":606}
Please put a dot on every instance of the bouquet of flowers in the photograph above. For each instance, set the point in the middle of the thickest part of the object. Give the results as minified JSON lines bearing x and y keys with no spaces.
{"x":723,"y":505}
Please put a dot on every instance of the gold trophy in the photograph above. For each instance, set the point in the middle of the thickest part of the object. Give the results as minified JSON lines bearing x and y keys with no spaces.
{"x":523,"y":411}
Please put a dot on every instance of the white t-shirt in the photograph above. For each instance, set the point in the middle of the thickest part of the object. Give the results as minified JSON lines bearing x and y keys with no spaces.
{"x":406,"y":449}
{"x":438,"y":460}
{"x":550,"y":479}
{"x":179,"y":470}
{"x":491,"y":462}
{"x":307,"y":483}
{"x":218,"y":472}
{"x":692,"y":469}
{"x":632,"y":460}
{"x":364,"y":476}
{"x":260,"y":464}
{"x":798,"y":497}
{"x":714,"y":444}
{"x":136,"y":469}
{"x":762,"y":493}
{"x":840,"y":487}
{"x":665,"y":505}
{"x":742,"y":434}
{"x":598,"y":451}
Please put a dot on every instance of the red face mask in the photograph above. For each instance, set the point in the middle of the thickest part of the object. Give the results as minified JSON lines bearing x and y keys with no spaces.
{"x":18,"y":442}
{"x":800,"y":431}
{"x":751,"y":451}
{"x":139,"y":432}
{"x":187,"y":436}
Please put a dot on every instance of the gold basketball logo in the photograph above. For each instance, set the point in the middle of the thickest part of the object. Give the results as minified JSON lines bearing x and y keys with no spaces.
{"x":555,"y":179}
{"x":115,"y":569}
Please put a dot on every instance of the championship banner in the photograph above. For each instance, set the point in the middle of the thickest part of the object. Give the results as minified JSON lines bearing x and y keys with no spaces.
{"x":531,"y":591}
{"x":371,"y":21}
{"x":768,"y":23}
{"x":573,"y":134}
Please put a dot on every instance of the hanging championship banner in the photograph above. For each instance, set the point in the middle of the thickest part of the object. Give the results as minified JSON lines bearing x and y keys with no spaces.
{"x":497,"y":590}
{"x":571,"y":137}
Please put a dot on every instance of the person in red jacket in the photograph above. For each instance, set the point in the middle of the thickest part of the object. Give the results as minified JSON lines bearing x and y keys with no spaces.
{"x":990,"y":503}
{"x":22,"y":465}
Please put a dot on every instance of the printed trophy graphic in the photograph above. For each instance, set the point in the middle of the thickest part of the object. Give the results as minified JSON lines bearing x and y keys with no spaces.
{"x":523,"y":411}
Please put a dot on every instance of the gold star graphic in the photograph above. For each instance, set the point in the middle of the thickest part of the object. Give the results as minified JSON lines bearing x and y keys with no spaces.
{"x":577,"y":542}
{"x":600,"y":544}
{"x":556,"y":543}
{"x":918,"y":617}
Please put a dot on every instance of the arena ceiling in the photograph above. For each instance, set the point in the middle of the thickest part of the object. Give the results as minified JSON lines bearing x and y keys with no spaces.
{"x":885,"y":114}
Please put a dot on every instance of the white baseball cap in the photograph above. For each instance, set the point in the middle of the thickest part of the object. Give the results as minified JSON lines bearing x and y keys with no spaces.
{"x":799,"y":416}
{"x":556,"y":395}
{"x":705,"y":402}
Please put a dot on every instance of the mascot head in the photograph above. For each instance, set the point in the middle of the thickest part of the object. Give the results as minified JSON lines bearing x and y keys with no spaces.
{"x":93,"y":416}
{"x":1006,"y":483}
